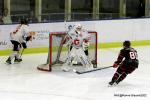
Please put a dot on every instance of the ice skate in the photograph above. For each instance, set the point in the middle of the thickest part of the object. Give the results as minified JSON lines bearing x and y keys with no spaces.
{"x":17,"y":60}
{"x":110,"y":84}
{"x":8,"y":61}
{"x":89,"y":66}
{"x":66,"y":68}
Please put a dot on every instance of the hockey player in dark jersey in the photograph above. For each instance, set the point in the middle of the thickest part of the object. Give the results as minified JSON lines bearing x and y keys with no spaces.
{"x":126,"y":63}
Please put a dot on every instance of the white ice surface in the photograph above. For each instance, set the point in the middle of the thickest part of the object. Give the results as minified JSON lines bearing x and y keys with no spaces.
{"x":24,"y":82}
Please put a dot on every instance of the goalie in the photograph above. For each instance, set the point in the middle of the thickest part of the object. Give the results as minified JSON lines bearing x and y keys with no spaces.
{"x":78,"y":29}
{"x":78,"y":40}
{"x":18,"y":38}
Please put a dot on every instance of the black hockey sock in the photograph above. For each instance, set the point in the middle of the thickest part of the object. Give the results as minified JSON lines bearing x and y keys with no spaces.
{"x":8,"y":61}
{"x":122,"y":77}
{"x":115,"y":77}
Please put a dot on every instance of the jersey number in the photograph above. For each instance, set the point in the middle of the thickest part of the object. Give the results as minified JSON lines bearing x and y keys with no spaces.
{"x":133,"y":55}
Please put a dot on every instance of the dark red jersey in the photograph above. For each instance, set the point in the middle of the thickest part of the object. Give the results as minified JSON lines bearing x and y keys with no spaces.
{"x":128,"y":57}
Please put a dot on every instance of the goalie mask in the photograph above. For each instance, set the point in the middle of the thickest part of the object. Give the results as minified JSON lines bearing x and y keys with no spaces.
{"x":78,"y":28}
{"x":126,"y":43}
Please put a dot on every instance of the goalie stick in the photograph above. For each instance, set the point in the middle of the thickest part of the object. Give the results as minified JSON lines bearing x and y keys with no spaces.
{"x":92,"y":70}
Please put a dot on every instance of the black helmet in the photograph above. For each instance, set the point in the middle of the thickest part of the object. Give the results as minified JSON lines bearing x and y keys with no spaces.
{"x":126,"y":43}
{"x":24,"y":21}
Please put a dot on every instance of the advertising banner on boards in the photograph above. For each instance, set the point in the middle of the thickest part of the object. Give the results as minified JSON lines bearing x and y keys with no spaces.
{"x":108,"y":31}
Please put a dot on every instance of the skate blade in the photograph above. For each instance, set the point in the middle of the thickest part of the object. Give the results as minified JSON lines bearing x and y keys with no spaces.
{"x":112,"y":85}
{"x":16,"y":62}
{"x":7,"y":63}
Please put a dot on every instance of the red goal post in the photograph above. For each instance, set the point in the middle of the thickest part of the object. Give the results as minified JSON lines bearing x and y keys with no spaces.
{"x":58,"y":51}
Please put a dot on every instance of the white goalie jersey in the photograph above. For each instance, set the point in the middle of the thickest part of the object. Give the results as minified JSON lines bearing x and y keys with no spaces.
{"x":78,"y":38}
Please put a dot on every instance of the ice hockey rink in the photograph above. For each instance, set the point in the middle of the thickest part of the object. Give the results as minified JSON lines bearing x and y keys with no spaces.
{"x":24,"y":82}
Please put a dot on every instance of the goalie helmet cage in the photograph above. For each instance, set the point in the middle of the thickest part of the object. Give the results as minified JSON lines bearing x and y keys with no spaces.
{"x":58,"y":51}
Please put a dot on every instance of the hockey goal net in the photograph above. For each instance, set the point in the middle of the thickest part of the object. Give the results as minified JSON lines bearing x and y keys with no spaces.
{"x":58,"y":52}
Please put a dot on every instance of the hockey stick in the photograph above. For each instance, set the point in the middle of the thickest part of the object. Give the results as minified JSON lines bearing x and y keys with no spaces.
{"x":92,"y":70}
{"x":21,"y":52}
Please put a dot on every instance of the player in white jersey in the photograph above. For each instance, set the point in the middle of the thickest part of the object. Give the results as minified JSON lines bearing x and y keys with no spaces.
{"x":79,"y":42}
{"x":18,"y":39}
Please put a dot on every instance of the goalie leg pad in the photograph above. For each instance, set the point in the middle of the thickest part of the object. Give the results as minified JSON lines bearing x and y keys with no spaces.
{"x":71,"y":56}
{"x":84,"y":59}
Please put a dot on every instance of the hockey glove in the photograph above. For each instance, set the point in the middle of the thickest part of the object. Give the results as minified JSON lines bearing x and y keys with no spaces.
{"x":28,"y":38}
{"x":85,"y":45}
{"x":115,"y":65}
{"x":24,"y":45}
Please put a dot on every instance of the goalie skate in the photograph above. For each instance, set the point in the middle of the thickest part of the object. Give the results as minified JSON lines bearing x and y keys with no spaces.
{"x":66,"y":69}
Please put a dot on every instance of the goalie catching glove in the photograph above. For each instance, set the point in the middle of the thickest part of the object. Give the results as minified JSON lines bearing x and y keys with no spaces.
{"x":85,"y":45}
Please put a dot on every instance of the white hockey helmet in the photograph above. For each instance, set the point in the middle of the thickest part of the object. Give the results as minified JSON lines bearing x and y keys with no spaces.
{"x":78,"y":26}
